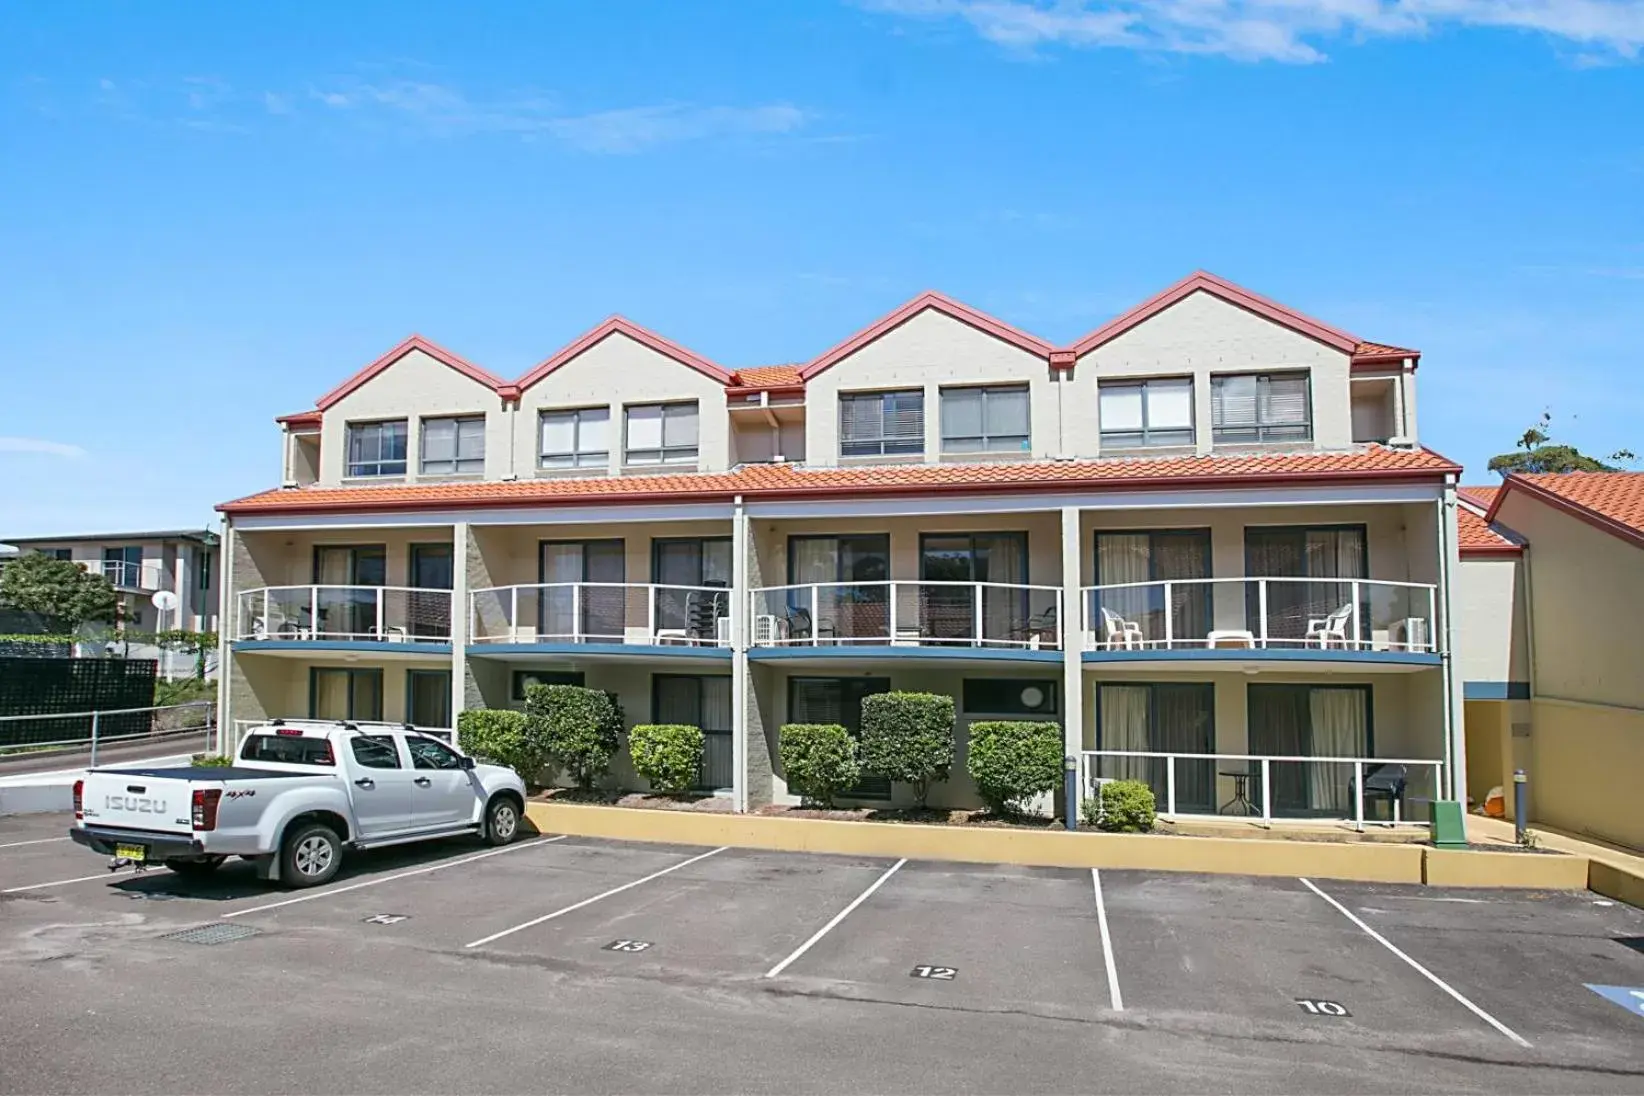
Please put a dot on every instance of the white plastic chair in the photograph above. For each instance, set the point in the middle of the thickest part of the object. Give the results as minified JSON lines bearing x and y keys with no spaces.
{"x":1331,"y":630}
{"x":1119,"y":632}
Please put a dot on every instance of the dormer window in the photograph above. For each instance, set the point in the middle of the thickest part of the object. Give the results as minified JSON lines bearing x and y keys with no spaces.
{"x":662,"y":433}
{"x":376,"y":448}
{"x":1250,"y":408}
{"x":453,"y":446}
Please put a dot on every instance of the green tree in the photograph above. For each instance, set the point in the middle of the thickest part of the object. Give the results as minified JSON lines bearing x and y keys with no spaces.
{"x":1537,"y":452}
{"x":58,"y":589}
{"x":189,"y":643}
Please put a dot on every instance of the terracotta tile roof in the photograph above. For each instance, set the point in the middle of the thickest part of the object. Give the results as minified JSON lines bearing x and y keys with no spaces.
{"x":791,"y":481}
{"x":301,"y":418}
{"x":1372,"y":352}
{"x":1479,"y":496}
{"x":758,"y":377}
{"x":1611,"y":501}
{"x":1477,"y":537}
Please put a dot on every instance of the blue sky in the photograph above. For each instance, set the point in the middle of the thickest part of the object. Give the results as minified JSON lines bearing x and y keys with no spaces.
{"x":211,"y":215}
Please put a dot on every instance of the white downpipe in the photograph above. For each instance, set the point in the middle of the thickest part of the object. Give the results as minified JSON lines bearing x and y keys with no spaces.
{"x":741,"y":605}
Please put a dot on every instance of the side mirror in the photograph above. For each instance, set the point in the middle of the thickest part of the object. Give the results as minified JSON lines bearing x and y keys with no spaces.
{"x":467,"y":763}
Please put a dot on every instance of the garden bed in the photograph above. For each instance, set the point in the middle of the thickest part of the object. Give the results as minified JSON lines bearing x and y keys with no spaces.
{"x":706,"y":804}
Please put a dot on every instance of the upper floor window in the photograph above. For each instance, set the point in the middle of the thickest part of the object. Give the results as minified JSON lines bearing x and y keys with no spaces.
{"x":882,"y":424}
{"x":662,"y":433}
{"x":376,"y":448}
{"x":1258,"y":407}
{"x":1151,"y":412}
{"x":575,"y":439}
{"x":452,"y":446}
{"x":202,"y":567}
{"x":985,"y":420}
{"x":58,"y":553}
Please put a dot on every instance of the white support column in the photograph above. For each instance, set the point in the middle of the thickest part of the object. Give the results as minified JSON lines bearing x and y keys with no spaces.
{"x":1455,"y":726}
{"x":459,"y":623}
{"x":225,"y":622}
{"x":1073,"y":638}
{"x":740,"y":608}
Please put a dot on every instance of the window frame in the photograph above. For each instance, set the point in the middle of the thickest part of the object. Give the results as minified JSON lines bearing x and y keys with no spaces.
{"x":1111,"y":438}
{"x":684,"y":454}
{"x":1261,"y":432}
{"x":457,"y":457}
{"x":580,"y":458}
{"x":353,"y":469}
{"x":905,"y":446}
{"x":989,"y":444}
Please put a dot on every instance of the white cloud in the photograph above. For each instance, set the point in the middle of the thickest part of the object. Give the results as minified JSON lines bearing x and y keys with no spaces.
{"x":275,"y":103}
{"x":1293,"y":31}
{"x":42,"y":447}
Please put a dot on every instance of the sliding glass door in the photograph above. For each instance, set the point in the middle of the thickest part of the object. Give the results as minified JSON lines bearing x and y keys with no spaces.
{"x":838,"y":700}
{"x":344,"y":608}
{"x":700,"y":701}
{"x":692,"y":561}
{"x":431,"y":569}
{"x":1322,"y":552}
{"x":1154,"y":557}
{"x":575,"y":614}
{"x":1310,"y":721}
{"x":950,"y":612}
{"x":1161,"y":718}
{"x":338,"y":693}
{"x":854,"y":608}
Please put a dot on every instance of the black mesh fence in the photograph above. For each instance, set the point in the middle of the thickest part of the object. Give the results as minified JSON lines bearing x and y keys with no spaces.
{"x":58,"y":686}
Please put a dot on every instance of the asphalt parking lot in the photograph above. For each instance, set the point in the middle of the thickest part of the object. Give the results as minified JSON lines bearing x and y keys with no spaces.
{"x":571,"y":964}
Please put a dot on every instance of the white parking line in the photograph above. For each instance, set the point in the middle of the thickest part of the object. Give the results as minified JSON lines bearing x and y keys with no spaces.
{"x":1114,"y":996}
{"x":838,"y":917}
{"x":40,"y":841}
{"x":1421,"y":970}
{"x":595,"y":898}
{"x":397,"y":875}
{"x":106,"y":874}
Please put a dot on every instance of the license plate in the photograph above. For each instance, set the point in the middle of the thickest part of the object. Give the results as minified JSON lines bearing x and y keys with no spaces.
{"x":131,"y":852}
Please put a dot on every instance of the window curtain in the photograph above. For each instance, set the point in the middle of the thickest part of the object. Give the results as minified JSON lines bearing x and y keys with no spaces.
{"x":718,"y":767}
{"x":1124,"y":712}
{"x":1340,"y":725}
{"x":1183,"y":724}
{"x":1125,"y":557}
{"x":1184,"y":556}
{"x":1001,"y":558}
{"x":1280,"y":719}
{"x":814,"y":560}
{"x":1334,"y":554}
{"x":556,"y":611}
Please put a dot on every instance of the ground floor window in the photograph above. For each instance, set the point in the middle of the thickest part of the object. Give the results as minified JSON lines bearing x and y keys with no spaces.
{"x":1158,"y":717}
{"x":338,"y":693}
{"x":700,"y":701}
{"x":1009,"y":696}
{"x":428,"y":698}
{"x":839,"y":700}
{"x":1310,"y":721}
{"x":523,"y":679}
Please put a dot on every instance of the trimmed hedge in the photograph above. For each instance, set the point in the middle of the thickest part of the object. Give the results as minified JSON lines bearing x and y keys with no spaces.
{"x":908,"y":738}
{"x":818,"y":760}
{"x":1014,"y":760}
{"x":667,"y":755}
{"x":500,"y":735}
{"x":580,"y":729}
{"x":1124,"y":806}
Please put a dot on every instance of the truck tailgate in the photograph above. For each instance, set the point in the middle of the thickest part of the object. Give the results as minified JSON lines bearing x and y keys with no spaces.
{"x":139,"y":801}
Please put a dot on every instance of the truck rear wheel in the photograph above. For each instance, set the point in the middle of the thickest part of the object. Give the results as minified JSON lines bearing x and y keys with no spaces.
{"x":501,"y":820}
{"x":196,"y":868}
{"x":311,"y":855}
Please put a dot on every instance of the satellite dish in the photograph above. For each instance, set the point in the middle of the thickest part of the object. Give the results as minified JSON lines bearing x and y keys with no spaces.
{"x":164,"y":600}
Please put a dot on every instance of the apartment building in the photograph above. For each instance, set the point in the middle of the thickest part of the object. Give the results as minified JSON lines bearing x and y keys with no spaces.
{"x":1205,"y":538}
{"x":139,"y":565}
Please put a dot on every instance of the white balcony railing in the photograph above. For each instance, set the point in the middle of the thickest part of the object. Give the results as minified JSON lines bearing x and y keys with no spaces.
{"x":1262,"y":613}
{"x":384,"y":613}
{"x":908,"y":613}
{"x":1362,"y":790}
{"x":601,"y":612}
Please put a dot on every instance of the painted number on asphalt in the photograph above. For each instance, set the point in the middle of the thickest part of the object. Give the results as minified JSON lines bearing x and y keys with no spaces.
{"x":1628,"y":997}
{"x":626,"y":945}
{"x":1322,"y":1008}
{"x":386,"y":919}
{"x":938,"y":974}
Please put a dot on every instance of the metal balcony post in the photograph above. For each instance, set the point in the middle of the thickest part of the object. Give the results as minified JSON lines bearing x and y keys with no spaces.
{"x":576,"y":612}
{"x":1358,"y":796}
{"x":893,"y":612}
{"x":977,"y":609}
{"x":1261,"y":608}
{"x":1170,"y":784}
{"x":513,"y":613}
{"x":382,"y":598}
{"x":1169,"y":630}
{"x":1353,"y":588}
{"x":816,"y":615}
{"x":1267,"y":791}
{"x":313,"y":611}
{"x":268,"y":621}
{"x":652,"y":593}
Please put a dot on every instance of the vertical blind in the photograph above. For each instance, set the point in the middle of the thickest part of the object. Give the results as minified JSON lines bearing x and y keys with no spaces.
{"x":873,"y":424}
{"x":1255,"y":407}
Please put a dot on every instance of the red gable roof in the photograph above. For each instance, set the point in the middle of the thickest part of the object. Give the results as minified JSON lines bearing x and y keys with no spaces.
{"x":790,"y":481}
{"x":765,"y":378}
{"x":1481,"y":497}
{"x":618,"y":325}
{"x":937,"y":302}
{"x":1610,"y":501}
{"x":415,"y":342}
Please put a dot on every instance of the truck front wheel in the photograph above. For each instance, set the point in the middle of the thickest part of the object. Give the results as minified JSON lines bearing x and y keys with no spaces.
{"x":310,"y":856}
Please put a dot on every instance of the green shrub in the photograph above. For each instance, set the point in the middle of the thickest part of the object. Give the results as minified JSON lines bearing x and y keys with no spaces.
{"x":1124,"y":806}
{"x":184,"y":690}
{"x":908,"y":738}
{"x":580,"y":729}
{"x":501,"y":736}
{"x":211,"y":761}
{"x":667,"y":755}
{"x":818,"y":760}
{"x":1013,"y":760}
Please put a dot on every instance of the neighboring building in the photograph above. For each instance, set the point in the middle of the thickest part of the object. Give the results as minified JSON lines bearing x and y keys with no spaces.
{"x":138,"y":565}
{"x":1205,"y":528}
{"x":1551,"y":629}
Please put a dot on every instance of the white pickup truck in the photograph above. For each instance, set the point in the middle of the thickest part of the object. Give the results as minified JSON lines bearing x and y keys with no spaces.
{"x":298,"y":794}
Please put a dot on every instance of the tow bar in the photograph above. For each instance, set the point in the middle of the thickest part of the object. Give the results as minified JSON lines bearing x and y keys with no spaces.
{"x":125,"y":862}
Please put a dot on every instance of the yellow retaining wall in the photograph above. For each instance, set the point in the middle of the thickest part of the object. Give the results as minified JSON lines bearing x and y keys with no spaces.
{"x":1044,"y":848}
{"x":1614,"y":881}
{"x":1471,"y":868}
{"x":1585,"y":775}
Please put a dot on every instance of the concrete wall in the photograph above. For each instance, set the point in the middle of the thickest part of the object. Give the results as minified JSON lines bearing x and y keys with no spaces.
{"x":612,"y":373}
{"x":271,"y":687}
{"x":929,"y":351}
{"x":1490,"y":621}
{"x":413,"y":388}
{"x":1200,"y":336}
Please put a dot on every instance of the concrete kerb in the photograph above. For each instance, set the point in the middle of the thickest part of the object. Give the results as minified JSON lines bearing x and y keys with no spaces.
{"x":1474,"y":868}
{"x":1370,"y":863}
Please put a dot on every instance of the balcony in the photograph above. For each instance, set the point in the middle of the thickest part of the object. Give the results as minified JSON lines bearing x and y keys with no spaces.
{"x":1321,"y":618}
{"x":944,"y":616}
{"x":343,"y":614}
{"x":594,"y":613}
